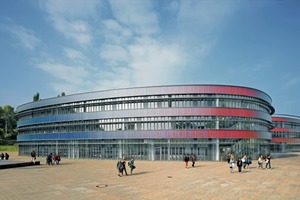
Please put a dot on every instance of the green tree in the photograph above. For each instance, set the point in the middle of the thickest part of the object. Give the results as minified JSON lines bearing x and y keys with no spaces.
{"x":8,"y":122}
{"x":62,"y":94}
{"x":36,"y":97}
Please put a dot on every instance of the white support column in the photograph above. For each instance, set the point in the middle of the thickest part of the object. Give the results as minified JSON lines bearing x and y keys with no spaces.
{"x":217,"y":139}
{"x":151,"y":150}
{"x":217,"y":150}
{"x":120,"y":149}
{"x":56,"y":147}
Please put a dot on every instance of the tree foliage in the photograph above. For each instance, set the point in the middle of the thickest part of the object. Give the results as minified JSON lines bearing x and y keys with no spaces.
{"x":62,"y":94}
{"x":36,"y":97}
{"x":8,"y":123}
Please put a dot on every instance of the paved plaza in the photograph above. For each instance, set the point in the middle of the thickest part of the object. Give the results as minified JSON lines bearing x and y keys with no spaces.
{"x":97,"y":179}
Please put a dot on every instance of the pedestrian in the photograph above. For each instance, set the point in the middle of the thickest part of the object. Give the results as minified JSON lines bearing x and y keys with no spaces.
{"x":244,"y":160}
{"x":2,"y":156}
{"x":131,"y":165}
{"x":49,"y":159}
{"x":231,"y":162}
{"x":239,"y":164}
{"x":228,"y":157}
{"x":193,"y":159}
{"x":124,"y":166}
{"x":58,"y":158}
{"x":120,"y":167}
{"x":54,"y":158}
{"x":33,"y":156}
{"x":268,"y":162}
{"x":260,"y":161}
{"x":6,"y":156}
{"x":186,"y":160}
{"x":248,"y":161}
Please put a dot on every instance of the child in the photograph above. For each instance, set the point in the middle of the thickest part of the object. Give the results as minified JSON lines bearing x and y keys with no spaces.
{"x":119,"y":167}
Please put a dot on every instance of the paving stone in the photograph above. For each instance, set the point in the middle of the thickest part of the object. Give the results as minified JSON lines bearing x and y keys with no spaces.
{"x":97,"y":179}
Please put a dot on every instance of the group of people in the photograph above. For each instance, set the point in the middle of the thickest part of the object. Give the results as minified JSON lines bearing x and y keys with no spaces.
{"x":187,"y":158}
{"x":267,"y":160}
{"x":6,"y":156}
{"x":245,"y":162}
{"x":52,"y":159}
{"x":121,"y":166}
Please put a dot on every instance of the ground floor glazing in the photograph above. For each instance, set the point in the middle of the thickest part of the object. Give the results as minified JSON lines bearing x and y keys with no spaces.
{"x":150,"y":149}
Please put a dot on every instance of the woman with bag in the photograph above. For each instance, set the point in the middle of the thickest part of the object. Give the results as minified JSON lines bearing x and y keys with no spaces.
{"x":131,"y":165}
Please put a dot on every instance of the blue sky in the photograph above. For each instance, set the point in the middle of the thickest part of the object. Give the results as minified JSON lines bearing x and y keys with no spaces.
{"x":80,"y":46}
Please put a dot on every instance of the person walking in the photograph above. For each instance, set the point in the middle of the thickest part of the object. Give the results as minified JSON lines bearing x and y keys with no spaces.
{"x":49,"y":159}
{"x":228,"y":157}
{"x":58,"y":158}
{"x":260,"y":161}
{"x":231,"y":162}
{"x":6,"y":156}
{"x":239,"y":164}
{"x":193,"y":159}
{"x":124,"y":167}
{"x":248,"y":161}
{"x":120,"y":167}
{"x":186,"y":160}
{"x":33,"y":156}
{"x":268,"y":162}
{"x":131,"y":165}
{"x":244,"y":160}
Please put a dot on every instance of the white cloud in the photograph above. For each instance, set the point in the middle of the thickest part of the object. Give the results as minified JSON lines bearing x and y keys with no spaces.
{"x":154,"y":62}
{"x":65,"y":87}
{"x":70,"y":74}
{"x":77,"y":30}
{"x":26,"y":37}
{"x":74,"y":54}
{"x":71,"y":18}
{"x":114,"y":33}
{"x":132,"y":50}
{"x":114,"y":53}
{"x":139,"y":15}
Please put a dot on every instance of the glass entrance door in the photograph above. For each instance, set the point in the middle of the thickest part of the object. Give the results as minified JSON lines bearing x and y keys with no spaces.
{"x":158,"y":152}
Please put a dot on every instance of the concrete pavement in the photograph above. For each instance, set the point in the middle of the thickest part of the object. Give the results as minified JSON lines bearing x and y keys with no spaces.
{"x":97,"y":179}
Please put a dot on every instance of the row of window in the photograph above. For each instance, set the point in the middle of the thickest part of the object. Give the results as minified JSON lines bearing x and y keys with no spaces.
{"x":291,"y":125}
{"x":237,"y":102}
{"x":144,"y":126}
{"x":285,"y":135}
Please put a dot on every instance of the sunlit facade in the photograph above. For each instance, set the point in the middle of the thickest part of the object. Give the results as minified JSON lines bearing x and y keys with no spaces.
{"x":149,"y":123}
{"x":285,"y":134}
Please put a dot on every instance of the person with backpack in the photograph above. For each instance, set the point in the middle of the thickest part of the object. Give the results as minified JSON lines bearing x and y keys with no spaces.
{"x":120,"y":167}
{"x":193,"y":159}
{"x":131,"y":165}
{"x":124,"y":166}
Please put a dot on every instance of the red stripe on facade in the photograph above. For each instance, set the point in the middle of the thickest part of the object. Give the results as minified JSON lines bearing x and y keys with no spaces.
{"x":287,"y":140}
{"x":282,"y":130}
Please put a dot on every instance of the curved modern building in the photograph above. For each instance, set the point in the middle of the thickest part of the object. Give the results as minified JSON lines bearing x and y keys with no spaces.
{"x":149,"y":123}
{"x":285,"y":134}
